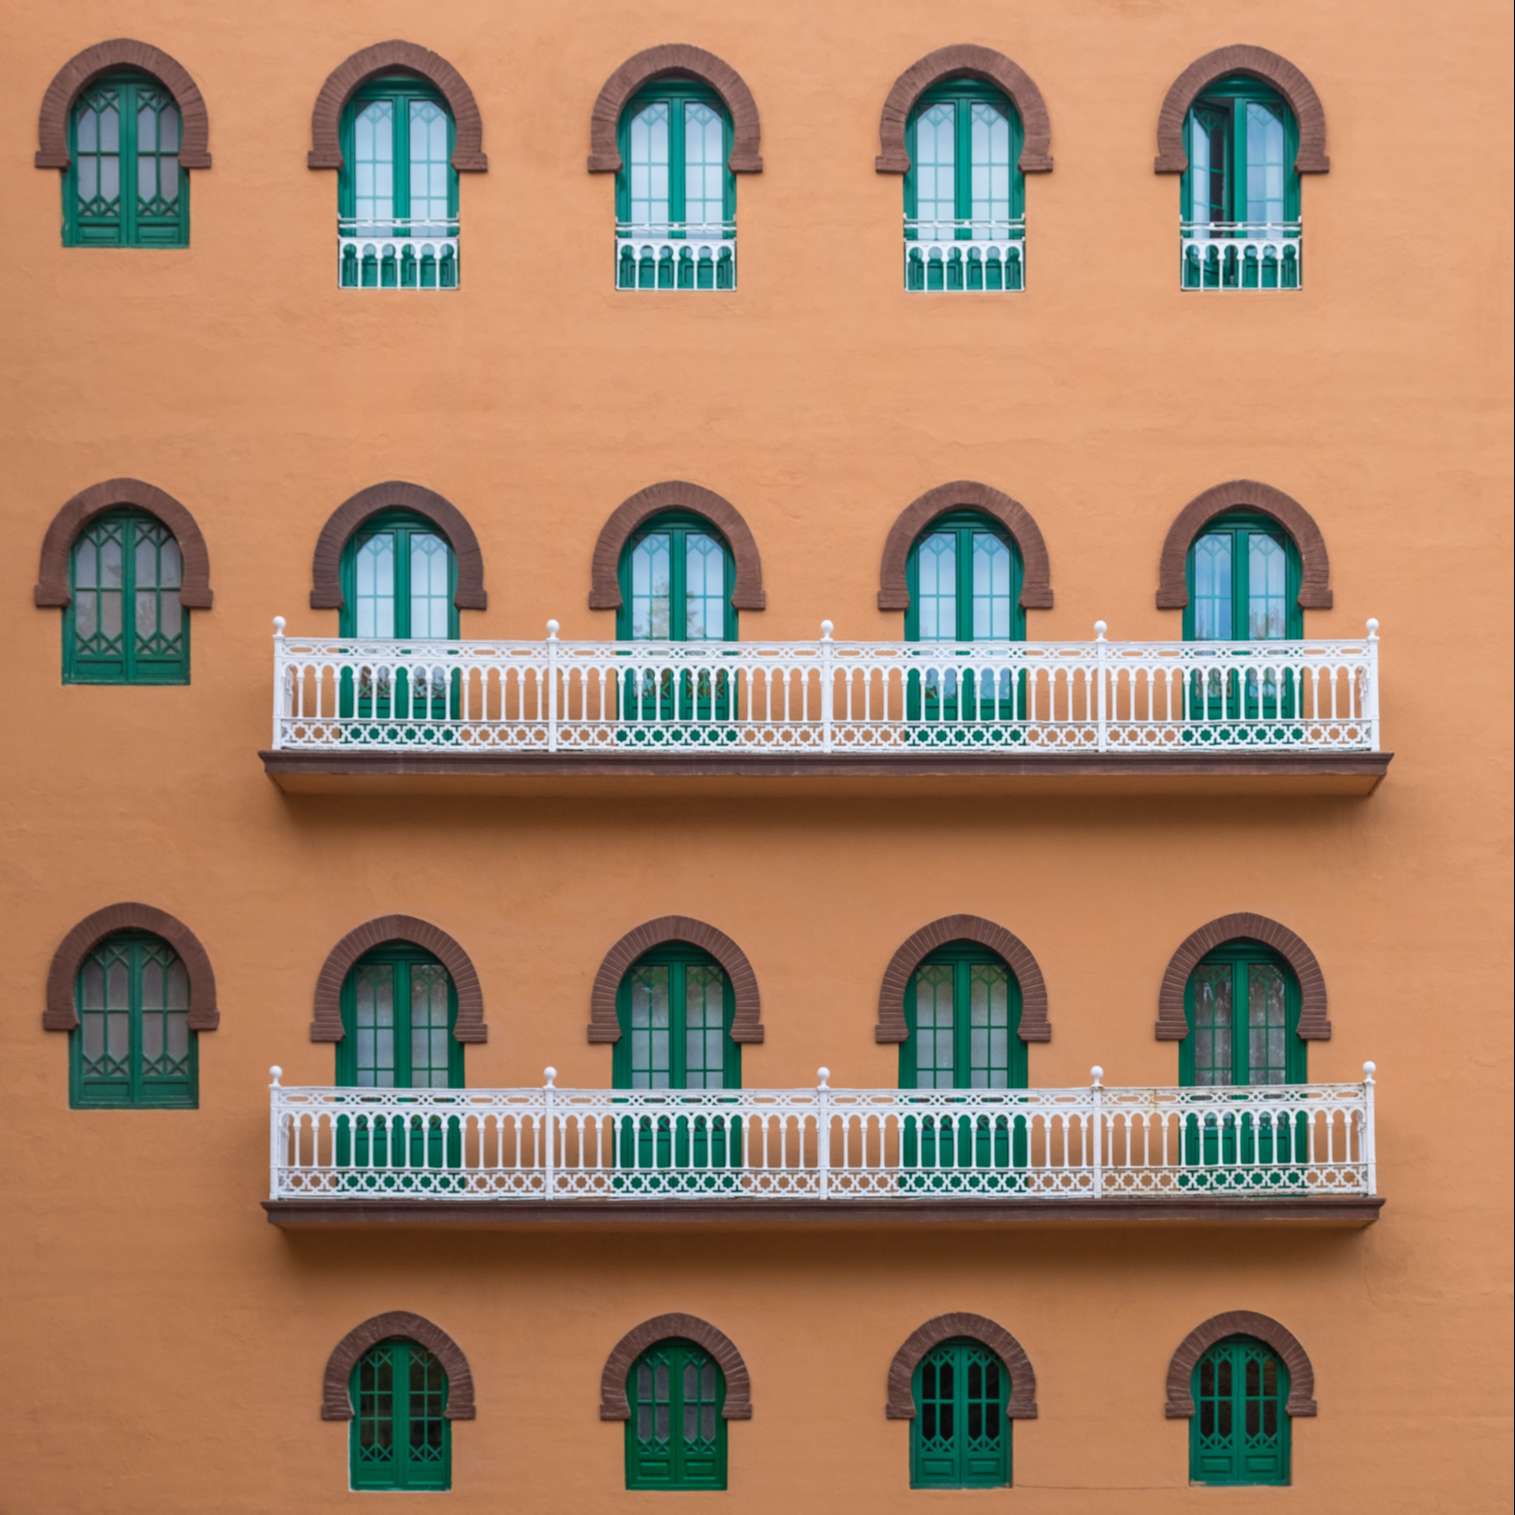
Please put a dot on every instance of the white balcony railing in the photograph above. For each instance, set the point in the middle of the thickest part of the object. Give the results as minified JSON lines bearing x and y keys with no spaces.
{"x":825,"y":697}
{"x":821,"y":1144}
{"x":965,"y":255}
{"x":1240,"y":255}
{"x":675,"y":255}
{"x":397,"y":254}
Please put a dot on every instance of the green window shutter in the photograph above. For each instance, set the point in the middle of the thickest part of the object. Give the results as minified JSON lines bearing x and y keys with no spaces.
{"x":675,"y":1006}
{"x":399,"y":1436}
{"x":133,"y":1046}
{"x":676,"y":1431}
{"x":124,"y":186}
{"x":960,"y":1436}
{"x":1239,"y":1433}
{"x":123,"y":623}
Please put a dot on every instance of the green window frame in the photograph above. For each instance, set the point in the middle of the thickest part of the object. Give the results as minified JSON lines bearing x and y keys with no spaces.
{"x":399,"y":1014}
{"x":960,"y":1435}
{"x":1239,"y":1432}
{"x":133,"y":1047}
{"x":124,"y":185}
{"x":963,"y":1017}
{"x":1243,"y":577}
{"x":1242,"y":1006}
{"x":964,"y":184}
{"x":397,"y":182}
{"x":676,"y":576}
{"x":399,"y":1436}
{"x":399,"y":579}
{"x":676,"y":1431}
{"x":123,"y":623}
{"x":675,"y":1005}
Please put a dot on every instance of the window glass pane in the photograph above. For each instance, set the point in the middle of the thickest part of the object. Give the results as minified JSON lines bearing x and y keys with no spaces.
{"x":991,"y":587}
{"x":430,"y":601}
{"x":651,"y":595}
{"x":935,"y":166}
{"x":1266,"y":1024}
{"x":1267,"y":600}
{"x":1265,"y":163}
{"x":934,"y":1039}
{"x":1212,"y":587}
{"x":936,"y":558}
{"x":704,"y":167}
{"x":373,"y":166}
{"x":704,"y":1026}
{"x":375,"y":1025}
{"x":375,"y":587}
{"x":704,"y":588}
{"x":989,"y":1026}
{"x":430,"y":1036}
{"x":647,"y":165}
{"x":651,"y":1066}
{"x":1212,"y":984}
{"x":428,"y":168}
{"x":990,"y":130}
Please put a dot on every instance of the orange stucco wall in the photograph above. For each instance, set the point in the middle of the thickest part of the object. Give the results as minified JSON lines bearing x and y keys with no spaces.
{"x":164,"y":1344}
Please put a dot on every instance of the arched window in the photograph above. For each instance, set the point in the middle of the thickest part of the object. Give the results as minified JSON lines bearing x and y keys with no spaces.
{"x":124,"y":185}
{"x":399,"y":1436}
{"x":399,"y":580}
{"x":676,"y":578}
{"x":124,"y":622}
{"x":1239,"y":1431}
{"x":397,"y":191}
{"x":1244,"y":575}
{"x":133,"y":1046}
{"x":676,"y":1432}
{"x":399,"y":1018}
{"x":1242,"y":1005}
{"x":964,"y":191}
{"x":960,"y":1433}
{"x":675,"y":1008}
{"x":675,"y":193}
{"x":1240,"y":191}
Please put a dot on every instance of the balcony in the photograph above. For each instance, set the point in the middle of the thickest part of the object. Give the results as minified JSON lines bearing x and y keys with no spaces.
{"x":1302,"y":1152}
{"x":1240,"y":255}
{"x":675,"y":255}
{"x":1304,"y":714}
{"x":397,"y":254}
{"x":965,"y":255}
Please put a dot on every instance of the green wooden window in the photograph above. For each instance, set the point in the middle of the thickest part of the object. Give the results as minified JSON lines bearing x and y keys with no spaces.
{"x":399,"y":580}
{"x":124,"y":186}
{"x":963,"y":1013}
{"x":1242,"y":1005}
{"x":675,"y":1006}
{"x":1239,"y":1433}
{"x":1243,"y":582}
{"x":123,"y":623}
{"x":964,"y":184}
{"x":676,"y":1433}
{"x":399,"y":1436}
{"x":676,"y":579}
{"x":960,"y":1437}
{"x":397,"y":182}
{"x":133,"y":1045}
{"x":399,"y":1010}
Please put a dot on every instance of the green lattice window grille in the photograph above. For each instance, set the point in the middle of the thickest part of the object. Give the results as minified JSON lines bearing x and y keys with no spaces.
{"x":1239,"y":1433}
{"x":133,"y":1046}
{"x":964,"y":192}
{"x":123,"y":623}
{"x":397,"y":192}
{"x":1241,"y":188}
{"x":675,"y":196}
{"x":399,"y":1436}
{"x":960,"y":1437}
{"x":124,"y":186}
{"x":676,"y":1433}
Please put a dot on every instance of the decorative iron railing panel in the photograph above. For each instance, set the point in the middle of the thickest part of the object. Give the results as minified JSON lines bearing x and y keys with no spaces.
{"x":965,"y":255}
{"x":675,"y":255}
{"x":397,"y":254}
{"x":1240,"y":255}
{"x":825,"y":697}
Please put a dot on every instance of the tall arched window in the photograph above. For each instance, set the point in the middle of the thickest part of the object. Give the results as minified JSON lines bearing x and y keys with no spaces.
{"x":399,"y":1436}
{"x":964,"y":192}
{"x":125,"y":186}
{"x":397,"y":192}
{"x":675,"y":193}
{"x":1241,"y":191}
{"x":1239,"y":1432}
{"x":960,"y":1434}
{"x":133,"y":1045}
{"x":676,"y":1432}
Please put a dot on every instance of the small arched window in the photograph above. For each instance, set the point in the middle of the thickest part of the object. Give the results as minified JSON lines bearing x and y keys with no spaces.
{"x":676,"y":1431}
{"x":397,"y":192}
{"x":399,"y":1437}
{"x":1242,"y":1005}
{"x":1244,"y":573}
{"x":124,"y":185}
{"x":675,"y":1008}
{"x":675,"y":192}
{"x":1239,"y":1432}
{"x":960,"y":1434}
{"x":965,"y":203}
{"x":399,"y":1022}
{"x":133,"y":1046}
{"x":399,"y":580}
{"x":676,"y":580}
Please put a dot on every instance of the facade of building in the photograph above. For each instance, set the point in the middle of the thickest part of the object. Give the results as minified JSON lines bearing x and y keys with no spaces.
{"x":828,"y":733}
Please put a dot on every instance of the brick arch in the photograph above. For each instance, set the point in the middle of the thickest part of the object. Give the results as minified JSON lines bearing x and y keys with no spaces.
{"x":613,"y":1402}
{"x":891,"y":1027}
{"x":406,"y":57}
{"x":1255,"y":63}
{"x":336,"y":1403}
{"x":964,"y":494}
{"x":1180,"y":1405}
{"x":965,"y":60}
{"x":326,"y":568}
{"x":1244,"y":494}
{"x":746,"y":1022}
{"x":75,"y":514}
{"x":1172,"y":1026}
{"x":683,"y":61}
{"x":122,"y":52}
{"x":900,"y":1405}
{"x":675,"y":494}
{"x":58,"y":1012}
{"x":327,"y":1025}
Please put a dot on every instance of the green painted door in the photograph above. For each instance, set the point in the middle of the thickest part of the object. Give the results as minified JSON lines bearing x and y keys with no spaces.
{"x":676,"y":1432}
{"x":960,"y":1437}
{"x":1239,"y":1433}
{"x":399,"y":1436}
